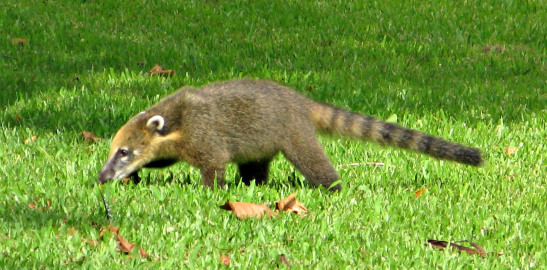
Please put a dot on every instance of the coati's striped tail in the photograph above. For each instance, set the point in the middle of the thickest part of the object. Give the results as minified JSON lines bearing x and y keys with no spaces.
{"x":347,"y":123}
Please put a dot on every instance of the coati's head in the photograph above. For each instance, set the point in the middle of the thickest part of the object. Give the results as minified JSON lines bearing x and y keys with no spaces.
{"x":142,"y":141}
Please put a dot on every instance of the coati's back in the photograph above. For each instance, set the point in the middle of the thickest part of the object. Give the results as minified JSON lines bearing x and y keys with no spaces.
{"x":248,"y":122}
{"x":263,"y":110}
{"x":255,"y":116}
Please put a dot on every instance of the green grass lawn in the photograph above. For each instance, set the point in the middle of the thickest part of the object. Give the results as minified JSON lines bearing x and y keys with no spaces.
{"x":473,"y":72}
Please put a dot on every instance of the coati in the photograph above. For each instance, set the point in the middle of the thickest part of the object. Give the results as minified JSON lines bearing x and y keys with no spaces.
{"x":248,"y":122}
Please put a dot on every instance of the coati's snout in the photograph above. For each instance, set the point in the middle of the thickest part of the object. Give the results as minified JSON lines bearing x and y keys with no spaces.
{"x":118,"y":166}
{"x":106,"y":174}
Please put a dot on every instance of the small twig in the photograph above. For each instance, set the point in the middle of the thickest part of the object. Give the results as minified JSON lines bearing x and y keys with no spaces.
{"x":377,"y":164}
{"x":106,"y":207}
{"x":7,"y":56}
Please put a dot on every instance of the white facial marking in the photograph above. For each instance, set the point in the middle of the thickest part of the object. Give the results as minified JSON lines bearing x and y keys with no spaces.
{"x":120,"y":175}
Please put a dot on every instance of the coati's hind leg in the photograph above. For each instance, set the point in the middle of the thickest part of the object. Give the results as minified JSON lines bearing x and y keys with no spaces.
{"x":307,"y":155}
{"x":257,"y":170}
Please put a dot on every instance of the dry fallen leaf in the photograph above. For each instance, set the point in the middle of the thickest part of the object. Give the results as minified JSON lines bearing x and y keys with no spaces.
{"x":89,"y":136}
{"x":479,"y":249}
{"x":112,"y":229}
{"x":443,"y":244}
{"x":91,"y":242}
{"x":29,"y":140}
{"x":290,"y":204}
{"x":284,"y":260}
{"x":143,"y":253}
{"x":18,"y":41}
{"x":32,"y":206}
{"x":160,"y":71}
{"x":420,"y":192}
{"x":511,"y":150}
{"x":496,"y":48}
{"x":246,"y":210}
{"x":124,"y":245}
{"x":225,"y":260}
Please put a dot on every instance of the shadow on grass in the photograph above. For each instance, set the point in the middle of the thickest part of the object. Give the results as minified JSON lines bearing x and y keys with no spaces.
{"x":38,"y":217}
{"x":103,"y":113}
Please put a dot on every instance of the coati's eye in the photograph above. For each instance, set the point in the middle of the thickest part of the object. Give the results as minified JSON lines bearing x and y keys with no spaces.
{"x":124,"y":152}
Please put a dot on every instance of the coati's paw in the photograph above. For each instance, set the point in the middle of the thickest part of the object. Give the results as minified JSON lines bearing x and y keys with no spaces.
{"x":135,"y":178}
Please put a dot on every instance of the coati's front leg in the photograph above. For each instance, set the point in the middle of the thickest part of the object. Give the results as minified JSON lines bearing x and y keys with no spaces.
{"x":257,"y":170}
{"x":209,"y":174}
{"x":135,"y":177}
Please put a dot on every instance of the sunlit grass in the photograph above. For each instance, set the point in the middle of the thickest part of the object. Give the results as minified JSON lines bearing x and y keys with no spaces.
{"x":84,"y":67}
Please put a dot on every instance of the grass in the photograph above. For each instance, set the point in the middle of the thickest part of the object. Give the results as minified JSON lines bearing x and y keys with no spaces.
{"x":473,"y":72}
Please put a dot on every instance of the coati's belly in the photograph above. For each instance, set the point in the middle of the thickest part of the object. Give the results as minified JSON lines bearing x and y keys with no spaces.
{"x":161,"y":163}
{"x":253,"y":152}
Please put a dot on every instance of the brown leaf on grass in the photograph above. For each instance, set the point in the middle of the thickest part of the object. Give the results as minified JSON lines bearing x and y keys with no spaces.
{"x":18,"y":41}
{"x":160,"y":71}
{"x":420,"y":192}
{"x":495,"y":48}
{"x":89,"y":241}
{"x":246,"y":210}
{"x":36,"y":203}
{"x":284,"y":260}
{"x":29,"y":140}
{"x":511,"y":150}
{"x":112,"y":229}
{"x":124,"y":245}
{"x":443,"y":244}
{"x":479,"y":249}
{"x":225,"y":260}
{"x":89,"y":136}
{"x":290,"y":204}
{"x":143,"y":253}
{"x":18,"y":117}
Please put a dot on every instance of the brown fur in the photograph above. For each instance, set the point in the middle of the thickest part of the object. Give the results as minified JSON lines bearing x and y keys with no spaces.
{"x":248,"y":122}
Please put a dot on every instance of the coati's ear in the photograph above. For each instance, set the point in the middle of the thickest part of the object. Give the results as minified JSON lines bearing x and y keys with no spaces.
{"x":155,"y":123}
